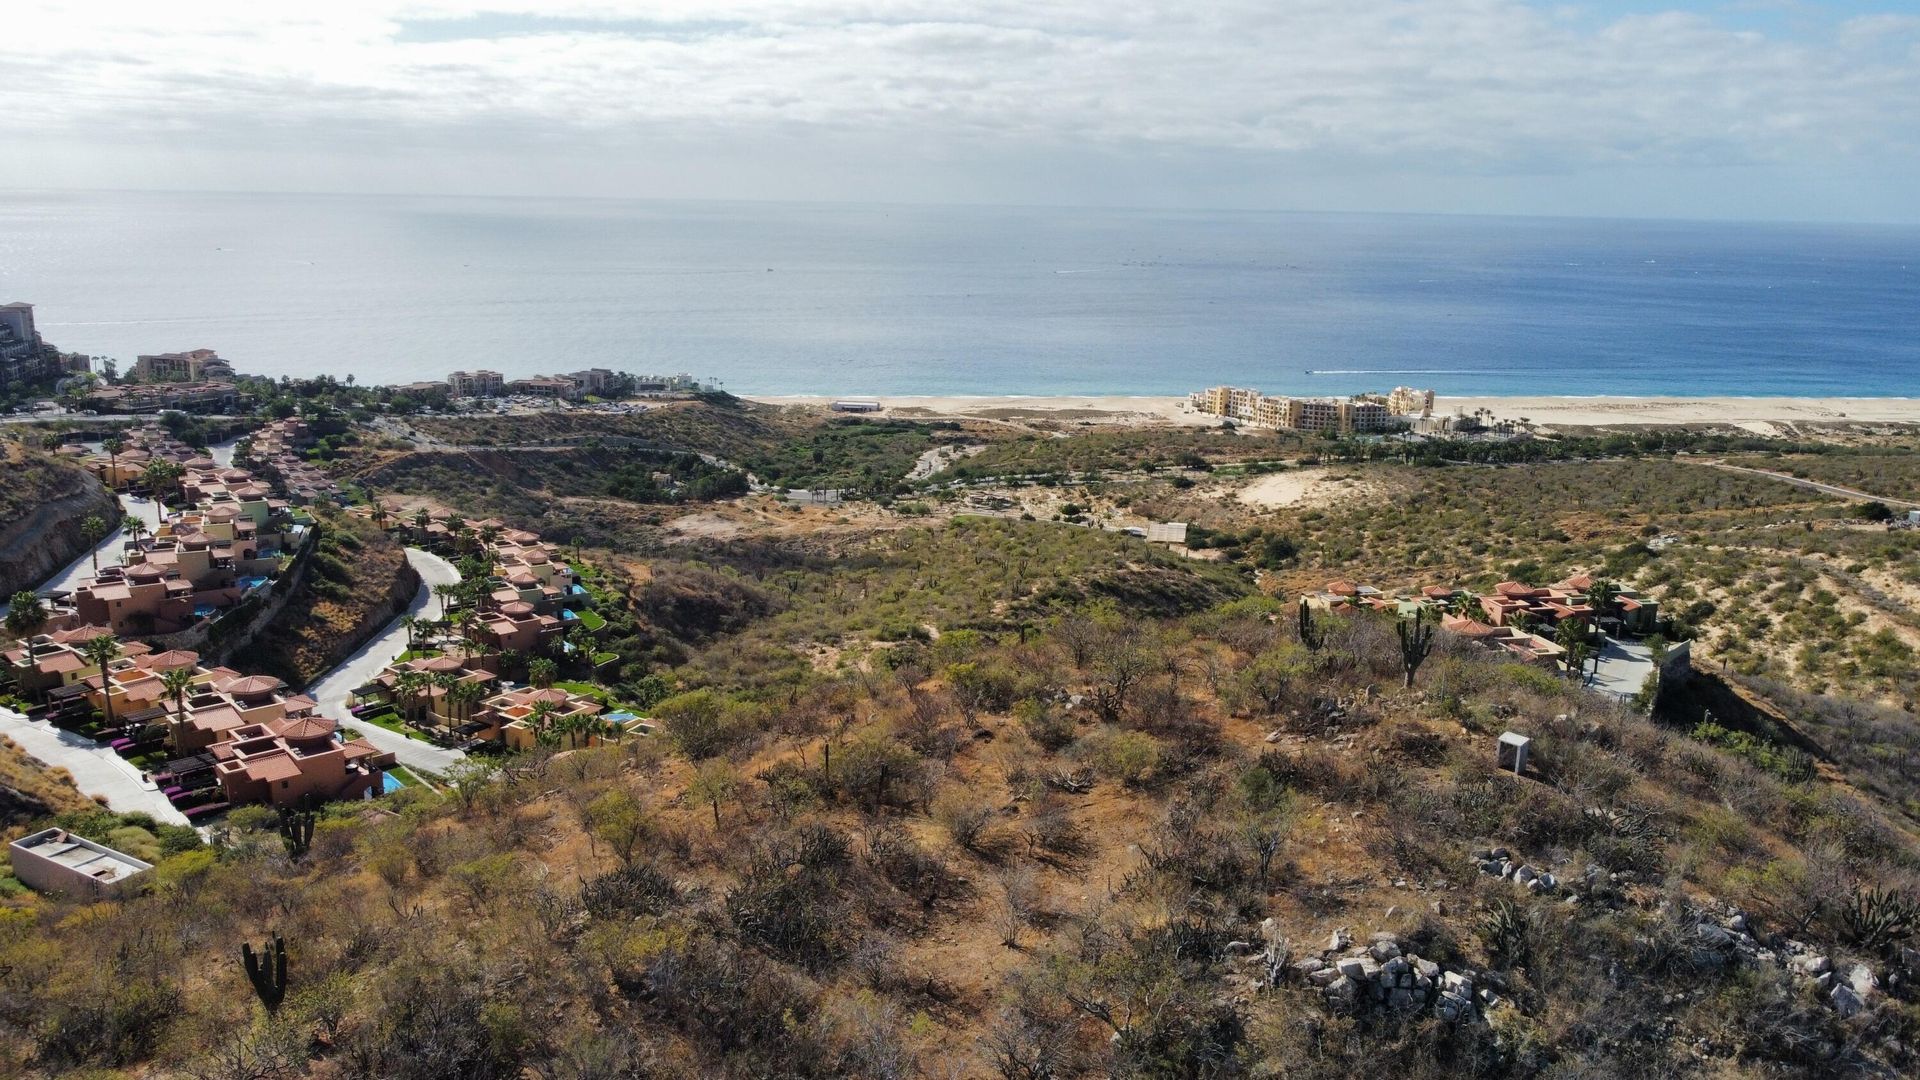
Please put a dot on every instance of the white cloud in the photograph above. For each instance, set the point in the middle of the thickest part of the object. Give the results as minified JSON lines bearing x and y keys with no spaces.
{"x":1441,"y":87}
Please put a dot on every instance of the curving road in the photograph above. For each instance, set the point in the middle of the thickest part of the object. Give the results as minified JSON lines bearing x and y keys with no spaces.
{"x":331,"y":689}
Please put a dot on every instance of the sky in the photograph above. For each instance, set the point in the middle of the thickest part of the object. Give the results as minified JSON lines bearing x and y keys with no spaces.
{"x":1747,"y":109}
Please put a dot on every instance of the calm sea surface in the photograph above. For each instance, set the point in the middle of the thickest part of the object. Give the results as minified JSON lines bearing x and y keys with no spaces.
{"x":849,"y":300}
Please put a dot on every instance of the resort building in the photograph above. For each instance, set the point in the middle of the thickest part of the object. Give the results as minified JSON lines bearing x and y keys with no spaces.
{"x":57,"y":861}
{"x":594,"y":381}
{"x":1406,"y":401}
{"x":480,"y":383}
{"x":433,"y":691}
{"x":566,"y":719}
{"x":1528,"y":647}
{"x":1339,"y":415}
{"x":553,"y":386}
{"x":194,"y":365}
{"x":294,"y":761}
{"x":53,"y":659}
{"x":1504,"y":618}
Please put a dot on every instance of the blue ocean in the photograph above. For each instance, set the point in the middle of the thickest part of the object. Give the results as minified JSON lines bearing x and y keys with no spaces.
{"x":840,"y":299}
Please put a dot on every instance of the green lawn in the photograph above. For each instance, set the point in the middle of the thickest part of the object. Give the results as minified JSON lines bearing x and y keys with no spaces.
{"x":391,"y":721}
{"x":598,"y":693}
{"x":592,"y":620}
{"x":403,"y":776}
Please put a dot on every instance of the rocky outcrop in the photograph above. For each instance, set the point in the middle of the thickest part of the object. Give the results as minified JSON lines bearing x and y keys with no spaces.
{"x":48,"y":535}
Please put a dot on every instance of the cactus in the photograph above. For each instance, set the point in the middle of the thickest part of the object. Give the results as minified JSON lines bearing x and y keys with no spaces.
{"x":1876,"y":918}
{"x":1311,"y":635}
{"x":1416,"y":644}
{"x":267,"y":971}
{"x":1508,"y":933}
{"x":296,"y":831}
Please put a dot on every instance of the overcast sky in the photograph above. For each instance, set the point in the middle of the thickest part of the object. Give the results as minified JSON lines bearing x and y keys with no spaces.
{"x":1775,"y":109}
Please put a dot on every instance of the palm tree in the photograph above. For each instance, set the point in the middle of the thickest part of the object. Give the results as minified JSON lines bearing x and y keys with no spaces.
{"x":376,"y":511}
{"x":469,"y":618}
{"x":113,"y":444}
{"x":407,"y":686}
{"x":540,"y":719}
{"x":1572,"y":636}
{"x":540,"y":671}
{"x":101,"y":650}
{"x":134,"y":525}
{"x":421,"y":520}
{"x":95,"y":530}
{"x":587,"y":727}
{"x":24,"y":613}
{"x":446,"y":593}
{"x":175,"y":684}
{"x":412,"y":625}
{"x":462,"y":696}
{"x":161,"y":476}
{"x":1602,"y":596}
{"x":489,"y":536}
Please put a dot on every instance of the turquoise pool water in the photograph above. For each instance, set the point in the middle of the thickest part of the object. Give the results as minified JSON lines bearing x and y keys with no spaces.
{"x":389,"y":783}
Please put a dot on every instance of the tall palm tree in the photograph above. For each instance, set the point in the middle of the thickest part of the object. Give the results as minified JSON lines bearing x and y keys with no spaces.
{"x":540,"y":671}
{"x":113,"y":444}
{"x":95,"y":530}
{"x":446,"y":593}
{"x":135,"y":526}
{"x":24,"y":613}
{"x":175,"y":684}
{"x":102,"y":650}
{"x":412,"y":625}
{"x":489,"y":536}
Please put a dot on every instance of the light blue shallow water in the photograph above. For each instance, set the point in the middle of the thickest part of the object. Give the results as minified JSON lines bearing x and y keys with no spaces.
{"x":846,"y":300}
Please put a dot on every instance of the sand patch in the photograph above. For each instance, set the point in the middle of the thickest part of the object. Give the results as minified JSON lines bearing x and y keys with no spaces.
{"x":706,"y":526}
{"x":1300,"y":487}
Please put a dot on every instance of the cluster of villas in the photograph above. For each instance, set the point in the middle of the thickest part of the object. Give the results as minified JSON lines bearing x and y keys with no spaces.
{"x":229,"y":542}
{"x":1515,"y":617}
{"x":459,"y":697}
{"x":532,"y":595}
{"x":212,"y":737}
{"x":140,"y":448}
{"x":275,"y":450}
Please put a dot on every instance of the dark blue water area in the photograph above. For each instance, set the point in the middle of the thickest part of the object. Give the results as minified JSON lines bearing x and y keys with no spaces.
{"x":833,"y":299}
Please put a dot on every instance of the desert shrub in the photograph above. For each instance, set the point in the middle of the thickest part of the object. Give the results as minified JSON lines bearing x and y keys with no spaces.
{"x":1127,"y":756}
{"x":702,"y":723}
{"x":1050,"y":728}
{"x":634,"y":889}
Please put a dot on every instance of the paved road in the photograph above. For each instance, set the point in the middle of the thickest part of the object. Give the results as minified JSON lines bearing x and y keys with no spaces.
{"x":331,"y":689}
{"x":96,"y":769}
{"x":1623,"y":668}
{"x":80,"y":570}
{"x":1815,"y":485}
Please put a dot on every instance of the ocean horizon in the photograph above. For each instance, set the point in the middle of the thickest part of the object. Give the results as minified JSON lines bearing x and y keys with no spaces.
{"x":824,"y":299}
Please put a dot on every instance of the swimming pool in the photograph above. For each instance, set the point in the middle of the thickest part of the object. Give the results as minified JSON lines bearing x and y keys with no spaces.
{"x":621,"y":716}
{"x":390,"y":783}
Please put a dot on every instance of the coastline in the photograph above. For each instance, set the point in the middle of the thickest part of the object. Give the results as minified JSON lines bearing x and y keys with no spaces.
{"x":1760,"y":415}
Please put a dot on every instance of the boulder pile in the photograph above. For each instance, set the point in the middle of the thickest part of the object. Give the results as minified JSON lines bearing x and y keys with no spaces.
{"x":1382,"y":975}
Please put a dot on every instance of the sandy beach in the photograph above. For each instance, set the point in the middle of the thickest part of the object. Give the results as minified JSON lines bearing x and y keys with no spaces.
{"x":1761,"y":415}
